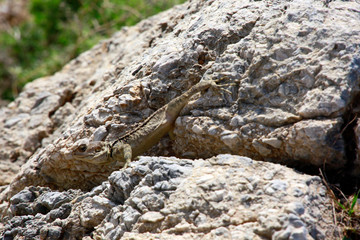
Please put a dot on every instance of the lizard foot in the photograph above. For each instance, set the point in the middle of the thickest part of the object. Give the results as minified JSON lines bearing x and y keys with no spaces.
{"x":221,"y":87}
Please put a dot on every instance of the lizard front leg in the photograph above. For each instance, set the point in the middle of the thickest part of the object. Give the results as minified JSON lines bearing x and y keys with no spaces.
{"x":127,"y":154}
{"x":122,"y":152}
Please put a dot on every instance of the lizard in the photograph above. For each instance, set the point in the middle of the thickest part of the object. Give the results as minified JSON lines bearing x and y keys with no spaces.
{"x":143,"y":137}
{"x":121,"y":151}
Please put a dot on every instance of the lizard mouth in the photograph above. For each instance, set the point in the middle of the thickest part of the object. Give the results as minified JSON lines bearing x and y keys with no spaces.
{"x":95,"y":158}
{"x":95,"y":153}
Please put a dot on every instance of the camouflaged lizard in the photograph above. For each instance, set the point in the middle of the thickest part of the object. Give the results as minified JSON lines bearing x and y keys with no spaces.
{"x":143,"y":137}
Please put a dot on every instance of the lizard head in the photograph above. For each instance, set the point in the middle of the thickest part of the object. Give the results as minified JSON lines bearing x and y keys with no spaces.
{"x":95,"y":152}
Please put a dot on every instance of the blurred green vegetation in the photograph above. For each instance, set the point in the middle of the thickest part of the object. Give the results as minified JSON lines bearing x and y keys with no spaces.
{"x":59,"y":30}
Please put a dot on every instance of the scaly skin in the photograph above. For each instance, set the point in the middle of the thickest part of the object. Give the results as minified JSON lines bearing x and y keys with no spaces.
{"x":119,"y":152}
{"x":142,"y":138}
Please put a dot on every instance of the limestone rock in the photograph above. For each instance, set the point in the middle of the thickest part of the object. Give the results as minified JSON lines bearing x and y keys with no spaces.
{"x":291,"y":74}
{"x":227,"y":197}
{"x":290,"y":83}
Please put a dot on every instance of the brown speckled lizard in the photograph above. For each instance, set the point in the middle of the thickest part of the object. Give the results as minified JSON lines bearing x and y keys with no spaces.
{"x":143,"y":137}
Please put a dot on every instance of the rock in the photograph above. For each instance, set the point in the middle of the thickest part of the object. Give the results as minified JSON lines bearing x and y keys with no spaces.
{"x":227,"y":197}
{"x":51,"y":233}
{"x":52,"y":200}
{"x":100,"y":134}
{"x":28,"y":120}
{"x":152,"y":217}
{"x":290,"y":76}
{"x":288,"y":83}
{"x":20,"y":202}
{"x":23,"y":197}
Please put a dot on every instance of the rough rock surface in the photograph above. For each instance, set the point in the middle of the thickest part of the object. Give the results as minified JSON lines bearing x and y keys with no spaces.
{"x":225,"y":197}
{"x":293,"y":74}
{"x":295,"y":66}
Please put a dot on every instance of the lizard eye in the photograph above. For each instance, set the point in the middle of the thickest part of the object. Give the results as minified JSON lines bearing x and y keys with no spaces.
{"x":82,"y":148}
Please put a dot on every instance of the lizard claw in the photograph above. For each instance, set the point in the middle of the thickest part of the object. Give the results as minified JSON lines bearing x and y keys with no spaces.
{"x":219,"y":87}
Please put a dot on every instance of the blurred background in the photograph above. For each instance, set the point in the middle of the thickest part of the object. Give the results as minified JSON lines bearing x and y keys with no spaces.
{"x":38,"y":37}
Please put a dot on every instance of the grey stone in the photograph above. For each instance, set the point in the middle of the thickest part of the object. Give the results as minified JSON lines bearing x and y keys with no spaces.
{"x":231,"y":140}
{"x":100,"y":133}
{"x":52,"y":200}
{"x":152,"y":217}
{"x":121,"y":185}
{"x":130,"y":216}
{"x":20,"y":203}
{"x":211,"y":185}
{"x":51,"y":233}
{"x":21,"y":209}
{"x":292,"y":82}
{"x":22,"y":197}
{"x":206,"y":193}
{"x":60,"y":213}
{"x":14,"y":120}
{"x":296,"y":208}
{"x":279,"y":89}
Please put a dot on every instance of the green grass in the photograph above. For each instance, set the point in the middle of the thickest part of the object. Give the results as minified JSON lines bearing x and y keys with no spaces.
{"x":59,"y":30}
{"x":349,"y":210}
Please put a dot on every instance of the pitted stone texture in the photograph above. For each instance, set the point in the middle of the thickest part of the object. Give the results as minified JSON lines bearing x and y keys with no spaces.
{"x":39,"y":200}
{"x":307,"y":142}
{"x":140,"y":189}
{"x":38,"y":212}
{"x":283,"y":88}
{"x":226,"y":197}
{"x":32,"y":117}
{"x":294,"y":70}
